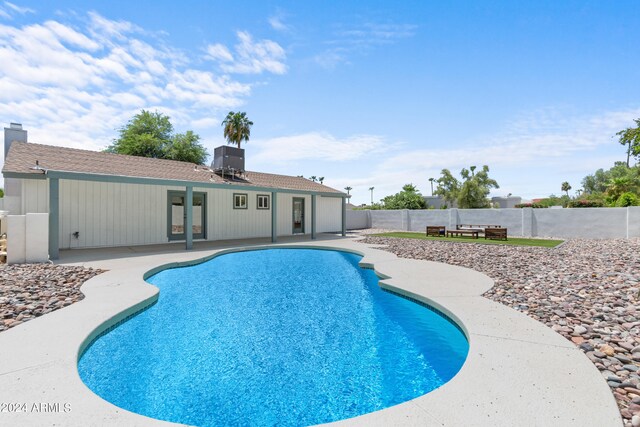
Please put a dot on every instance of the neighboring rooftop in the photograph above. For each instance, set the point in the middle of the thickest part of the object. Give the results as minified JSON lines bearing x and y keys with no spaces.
{"x":22,"y":158}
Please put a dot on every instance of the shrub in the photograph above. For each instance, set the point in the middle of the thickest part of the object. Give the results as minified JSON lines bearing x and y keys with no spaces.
{"x":585,"y":204}
{"x":627,"y":199}
{"x":530,"y":205}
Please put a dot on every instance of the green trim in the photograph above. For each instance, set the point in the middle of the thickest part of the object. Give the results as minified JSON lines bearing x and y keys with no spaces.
{"x":258,"y":202}
{"x":293,"y":211}
{"x":54,"y":218}
{"x":18,"y":175}
{"x":344,"y":216}
{"x":173,"y":237}
{"x":188,"y":222}
{"x":155,"y":181}
{"x":246,"y":200}
{"x":313,"y":216}
{"x":274,"y":217}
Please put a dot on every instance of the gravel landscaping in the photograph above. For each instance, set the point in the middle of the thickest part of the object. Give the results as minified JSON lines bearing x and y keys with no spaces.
{"x":586,"y":290}
{"x":28,"y":291}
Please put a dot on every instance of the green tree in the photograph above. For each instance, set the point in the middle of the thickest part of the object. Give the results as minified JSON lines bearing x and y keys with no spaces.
{"x":147,"y":134}
{"x":1,"y":193}
{"x":599,"y":181}
{"x":631,"y":138}
{"x":186,"y":147}
{"x":566,"y":187}
{"x":237,"y":128}
{"x":476,"y":188}
{"x":408,"y":198}
{"x":448,"y":187}
{"x":619,"y":186}
{"x":150,"y":134}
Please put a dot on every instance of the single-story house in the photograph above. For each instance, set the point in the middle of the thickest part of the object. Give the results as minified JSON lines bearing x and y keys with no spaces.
{"x":100,"y":199}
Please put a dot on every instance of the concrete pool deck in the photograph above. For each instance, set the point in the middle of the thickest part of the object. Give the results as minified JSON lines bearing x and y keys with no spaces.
{"x":518,"y":371}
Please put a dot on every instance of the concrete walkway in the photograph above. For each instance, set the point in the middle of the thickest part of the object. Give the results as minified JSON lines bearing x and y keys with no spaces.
{"x":518,"y":371}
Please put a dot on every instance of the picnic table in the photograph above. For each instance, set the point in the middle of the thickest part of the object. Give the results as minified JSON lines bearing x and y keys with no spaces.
{"x":463,"y":232}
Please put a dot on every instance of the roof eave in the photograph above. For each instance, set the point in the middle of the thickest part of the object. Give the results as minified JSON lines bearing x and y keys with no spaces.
{"x":81,"y":176}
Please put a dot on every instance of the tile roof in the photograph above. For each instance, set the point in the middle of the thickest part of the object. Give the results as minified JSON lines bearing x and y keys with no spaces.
{"x":22,"y":157}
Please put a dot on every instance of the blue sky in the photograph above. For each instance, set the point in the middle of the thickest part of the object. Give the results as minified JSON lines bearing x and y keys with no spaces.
{"x":365,"y":94}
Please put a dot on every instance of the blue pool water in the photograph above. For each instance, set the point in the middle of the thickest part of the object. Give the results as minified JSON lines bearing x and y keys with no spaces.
{"x":272,"y":337}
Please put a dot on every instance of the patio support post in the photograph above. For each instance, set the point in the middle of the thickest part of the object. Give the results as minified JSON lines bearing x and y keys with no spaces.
{"x":344,"y":216}
{"x":54,"y":217}
{"x":274,"y":217}
{"x":188,"y":221}
{"x":313,"y":216}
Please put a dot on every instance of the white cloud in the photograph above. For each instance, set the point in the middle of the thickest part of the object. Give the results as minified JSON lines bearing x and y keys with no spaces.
{"x":75,"y":85}
{"x":361,"y":38}
{"x":277,"y":23}
{"x":18,"y":9}
{"x":551,"y":145}
{"x":371,"y":33}
{"x":319,"y":147}
{"x":250,"y":57}
{"x":219,"y":52}
{"x":534,"y":138}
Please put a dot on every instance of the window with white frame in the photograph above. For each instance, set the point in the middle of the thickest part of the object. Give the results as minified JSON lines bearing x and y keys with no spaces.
{"x":239,"y":201}
{"x":263,"y":201}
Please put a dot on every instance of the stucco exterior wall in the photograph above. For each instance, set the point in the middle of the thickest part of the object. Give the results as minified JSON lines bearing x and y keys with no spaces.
{"x":389,"y":220}
{"x":418,"y":220}
{"x":597,"y":223}
{"x":509,"y":218}
{"x":358,"y":220}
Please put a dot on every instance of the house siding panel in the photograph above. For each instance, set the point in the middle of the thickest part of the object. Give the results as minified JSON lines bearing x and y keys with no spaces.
{"x":35,"y":196}
{"x":224,"y":222}
{"x":111,"y":214}
{"x":119,"y":214}
{"x":329,"y":211}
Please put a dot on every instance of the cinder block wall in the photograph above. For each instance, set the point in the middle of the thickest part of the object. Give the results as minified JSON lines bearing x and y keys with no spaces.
{"x":596,"y":223}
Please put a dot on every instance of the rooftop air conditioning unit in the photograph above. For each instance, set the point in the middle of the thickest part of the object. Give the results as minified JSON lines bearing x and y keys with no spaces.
{"x":226,"y":158}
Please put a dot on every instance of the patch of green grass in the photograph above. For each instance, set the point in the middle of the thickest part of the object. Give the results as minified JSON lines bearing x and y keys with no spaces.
{"x":512,"y":241}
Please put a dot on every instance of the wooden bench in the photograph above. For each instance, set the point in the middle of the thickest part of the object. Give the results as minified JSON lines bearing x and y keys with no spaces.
{"x":463,"y":232}
{"x":436,"y":230}
{"x":495,"y":233}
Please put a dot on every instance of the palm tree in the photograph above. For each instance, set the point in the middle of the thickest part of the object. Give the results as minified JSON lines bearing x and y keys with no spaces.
{"x":566,"y":187}
{"x":431,"y":181}
{"x":313,"y":178}
{"x":321,"y":179}
{"x":371,"y":189}
{"x":237,"y":128}
{"x":617,"y":186}
{"x":348,"y":189}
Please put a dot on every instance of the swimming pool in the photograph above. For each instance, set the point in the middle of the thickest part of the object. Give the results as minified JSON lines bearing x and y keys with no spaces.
{"x":278,"y":336}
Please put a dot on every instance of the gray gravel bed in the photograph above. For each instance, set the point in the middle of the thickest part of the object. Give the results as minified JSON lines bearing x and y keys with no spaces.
{"x":586,"y":290}
{"x":28,"y":291}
